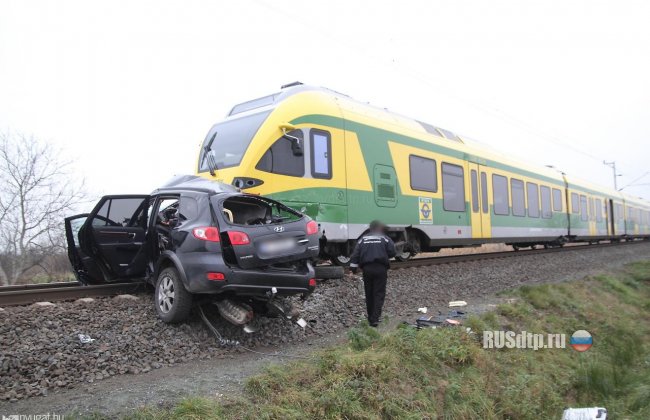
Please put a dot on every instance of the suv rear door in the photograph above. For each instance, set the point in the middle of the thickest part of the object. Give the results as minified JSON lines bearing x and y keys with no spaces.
{"x":272,"y":233}
{"x":110,"y":245}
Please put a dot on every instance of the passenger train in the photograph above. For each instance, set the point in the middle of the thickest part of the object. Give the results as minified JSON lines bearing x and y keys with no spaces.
{"x":345,"y":163}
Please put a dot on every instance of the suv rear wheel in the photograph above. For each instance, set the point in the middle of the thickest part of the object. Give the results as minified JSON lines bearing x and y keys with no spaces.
{"x":173,"y":302}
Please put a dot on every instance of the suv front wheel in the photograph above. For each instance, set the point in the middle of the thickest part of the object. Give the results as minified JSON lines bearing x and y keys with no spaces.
{"x":173,"y":302}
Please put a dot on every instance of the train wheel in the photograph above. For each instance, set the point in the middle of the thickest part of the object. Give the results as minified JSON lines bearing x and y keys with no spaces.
{"x":404,"y":256}
{"x":340,"y":260}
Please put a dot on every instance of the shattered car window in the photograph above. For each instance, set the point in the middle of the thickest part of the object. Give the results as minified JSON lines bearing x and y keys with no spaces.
{"x":250,"y":210}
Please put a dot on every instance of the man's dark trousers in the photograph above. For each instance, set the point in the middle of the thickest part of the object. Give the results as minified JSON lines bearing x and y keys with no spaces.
{"x":374,"y":283}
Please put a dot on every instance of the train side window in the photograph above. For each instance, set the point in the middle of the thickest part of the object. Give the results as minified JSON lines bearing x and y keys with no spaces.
{"x":280,"y":159}
{"x":518,"y":197}
{"x":545,"y":193}
{"x":484,"y":197}
{"x":321,"y":153}
{"x":619,"y":212}
{"x":599,"y":210}
{"x":474,"y":177}
{"x":583,"y":208}
{"x":500,"y":194}
{"x":533,"y":199}
{"x":453,"y":187}
{"x":575,"y":203}
{"x":423,"y":174}
{"x":557,"y":200}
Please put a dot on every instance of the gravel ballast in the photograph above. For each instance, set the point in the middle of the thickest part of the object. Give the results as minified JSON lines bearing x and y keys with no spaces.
{"x":40,"y":351}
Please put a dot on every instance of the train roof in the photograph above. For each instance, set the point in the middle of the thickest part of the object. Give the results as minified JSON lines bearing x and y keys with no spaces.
{"x":423,"y":130}
{"x":295,"y":88}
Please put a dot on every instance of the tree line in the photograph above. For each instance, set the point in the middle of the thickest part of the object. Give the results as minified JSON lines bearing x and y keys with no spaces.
{"x":37,"y":190}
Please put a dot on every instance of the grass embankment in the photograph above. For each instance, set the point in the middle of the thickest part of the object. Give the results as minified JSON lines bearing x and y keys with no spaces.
{"x":446,"y":373}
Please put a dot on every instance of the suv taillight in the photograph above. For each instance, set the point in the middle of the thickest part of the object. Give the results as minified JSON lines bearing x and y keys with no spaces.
{"x":238,"y":238}
{"x":312,"y":227}
{"x":208,"y":233}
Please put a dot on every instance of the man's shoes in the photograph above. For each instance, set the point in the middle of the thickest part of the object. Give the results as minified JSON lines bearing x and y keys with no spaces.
{"x":374,"y":324}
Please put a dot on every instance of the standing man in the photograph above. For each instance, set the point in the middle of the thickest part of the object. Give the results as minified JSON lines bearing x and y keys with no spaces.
{"x":372,"y":255}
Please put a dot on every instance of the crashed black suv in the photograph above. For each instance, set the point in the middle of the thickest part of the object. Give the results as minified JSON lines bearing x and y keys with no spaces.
{"x":197,"y":240}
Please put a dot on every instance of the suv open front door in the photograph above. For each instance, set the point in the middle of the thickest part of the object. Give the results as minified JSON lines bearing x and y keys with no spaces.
{"x":110,"y":244}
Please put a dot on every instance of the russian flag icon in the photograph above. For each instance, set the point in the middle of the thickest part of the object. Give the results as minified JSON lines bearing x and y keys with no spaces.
{"x":581,"y":340}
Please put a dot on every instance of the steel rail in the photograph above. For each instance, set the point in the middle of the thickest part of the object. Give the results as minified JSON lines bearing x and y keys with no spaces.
{"x":35,"y":286}
{"x":59,"y":292}
{"x":427,"y":261}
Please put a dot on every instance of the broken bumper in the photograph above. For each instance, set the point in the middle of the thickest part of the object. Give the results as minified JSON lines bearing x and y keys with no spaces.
{"x":249,"y":282}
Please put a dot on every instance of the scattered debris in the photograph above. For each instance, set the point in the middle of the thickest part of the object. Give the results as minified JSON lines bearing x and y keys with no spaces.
{"x":301,"y":322}
{"x":456,"y":303}
{"x":85,"y":339}
{"x":595,"y":413}
{"x":423,"y":310}
{"x":2,"y":310}
{"x":44,"y":304}
{"x":452,"y":318}
{"x":249,"y":329}
{"x":126,"y":297}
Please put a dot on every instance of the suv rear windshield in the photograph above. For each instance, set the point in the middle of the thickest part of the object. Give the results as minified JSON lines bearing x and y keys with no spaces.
{"x":231,"y":140}
{"x":253,"y":211}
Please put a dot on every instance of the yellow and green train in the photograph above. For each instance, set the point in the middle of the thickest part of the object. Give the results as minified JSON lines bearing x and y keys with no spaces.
{"x":345,"y":163}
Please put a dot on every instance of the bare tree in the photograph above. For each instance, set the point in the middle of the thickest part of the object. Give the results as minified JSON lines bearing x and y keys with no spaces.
{"x":37,"y":188}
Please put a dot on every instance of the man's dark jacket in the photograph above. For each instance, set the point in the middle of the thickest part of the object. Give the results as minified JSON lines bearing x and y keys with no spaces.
{"x":371,"y":248}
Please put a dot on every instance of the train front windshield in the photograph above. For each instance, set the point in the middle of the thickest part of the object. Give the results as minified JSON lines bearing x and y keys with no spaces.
{"x":229,"y":140}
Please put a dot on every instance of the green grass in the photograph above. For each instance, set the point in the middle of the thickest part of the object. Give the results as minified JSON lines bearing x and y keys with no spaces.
{"x":445,"y":373}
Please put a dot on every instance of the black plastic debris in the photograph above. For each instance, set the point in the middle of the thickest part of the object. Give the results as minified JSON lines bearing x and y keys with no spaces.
{"x":450,"y":319}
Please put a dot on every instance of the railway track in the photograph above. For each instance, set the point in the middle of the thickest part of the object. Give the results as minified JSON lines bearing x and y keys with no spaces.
{"x":423,"y":262}
{"x":31,"y":293}
{"x":26,"y":294}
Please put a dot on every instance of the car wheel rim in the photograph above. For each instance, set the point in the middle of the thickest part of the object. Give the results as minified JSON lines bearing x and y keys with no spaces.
{"x":166,"y":294}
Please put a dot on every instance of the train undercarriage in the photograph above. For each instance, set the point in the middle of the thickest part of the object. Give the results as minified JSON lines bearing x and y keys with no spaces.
{"x":411,"y":242}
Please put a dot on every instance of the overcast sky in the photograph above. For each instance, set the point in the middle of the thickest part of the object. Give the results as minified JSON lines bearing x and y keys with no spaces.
{"x":130,"y":88}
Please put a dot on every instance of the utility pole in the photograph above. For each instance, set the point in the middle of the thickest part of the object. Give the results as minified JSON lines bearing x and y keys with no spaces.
{"x":612,"y":165}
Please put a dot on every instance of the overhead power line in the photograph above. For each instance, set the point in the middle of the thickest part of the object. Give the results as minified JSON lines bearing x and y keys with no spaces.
{"x":483,"y":107}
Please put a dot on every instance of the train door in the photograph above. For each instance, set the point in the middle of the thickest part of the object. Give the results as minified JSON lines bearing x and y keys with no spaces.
{"x":592,"y":217}
{"x":479,"y":206}
{"x":611,"y":223}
